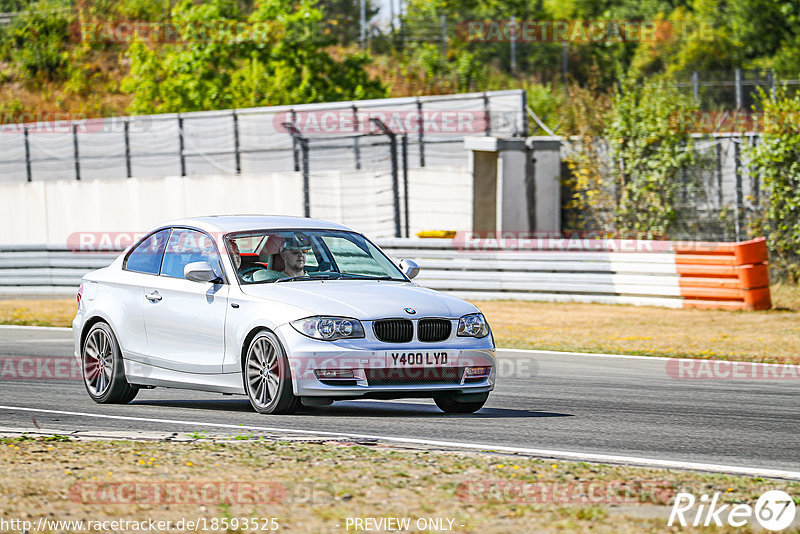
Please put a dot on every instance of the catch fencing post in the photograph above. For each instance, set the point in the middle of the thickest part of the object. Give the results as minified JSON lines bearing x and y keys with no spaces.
{"x":356,"y":146}
{"x":236,"y":142}
{"x":486,"y":115}
{"x":295,"y":155}
{"x":126,"y":128}
{"x":444,"y":36}
{"x":738,"y":79}
{"x":420,"y":133}
{"x":513,"y":44}
{"x":771,"y":81}
{"x":75,"y":151}
{"x":180,"y":145}
{"x":306,"y":178}
{"x":27,"y":153}
{"x":363,"y":23}
{"x":404,"y":144}
{"x":395,"y":181}
{"x":739,"y":226}
{"x":695,"y":86}
{"x":302,"y":142}
{"x":525,"y":125}
{"x":756,"y":176}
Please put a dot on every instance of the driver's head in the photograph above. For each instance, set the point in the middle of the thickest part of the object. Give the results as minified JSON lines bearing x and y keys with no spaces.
{"x":294,"y":251}
{"x":237,"y":258}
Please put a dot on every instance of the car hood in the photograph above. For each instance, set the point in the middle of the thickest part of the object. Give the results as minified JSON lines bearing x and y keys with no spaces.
{"x":360,"y":299}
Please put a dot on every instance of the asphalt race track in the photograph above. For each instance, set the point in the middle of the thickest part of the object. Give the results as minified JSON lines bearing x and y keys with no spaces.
{"x":572,"y":403}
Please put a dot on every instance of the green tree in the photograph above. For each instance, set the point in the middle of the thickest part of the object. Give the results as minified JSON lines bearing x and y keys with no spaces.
{"x":284,"y":60}
{"x":37,"y":41}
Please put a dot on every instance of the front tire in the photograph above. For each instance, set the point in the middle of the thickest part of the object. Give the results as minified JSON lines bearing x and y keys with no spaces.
{"x":103,"y":369}
{"x":450,"y":405}
{"x":268,"y":377}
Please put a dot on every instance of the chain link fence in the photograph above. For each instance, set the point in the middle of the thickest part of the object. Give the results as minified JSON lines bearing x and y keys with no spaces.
{"x":256,"y":140}
{"x":719,"y":198}
{"x":732,"y":90}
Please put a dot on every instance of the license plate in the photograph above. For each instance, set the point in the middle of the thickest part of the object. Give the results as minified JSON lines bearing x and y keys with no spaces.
{"x":427,"y":358}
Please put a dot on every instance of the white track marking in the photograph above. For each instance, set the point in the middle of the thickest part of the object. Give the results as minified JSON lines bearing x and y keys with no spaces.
{"x":23,"y":327}
{"x":15,"y":341}
{"x":634,"y":357}
{"x":592,"y":354}
{"x":566,"y":455}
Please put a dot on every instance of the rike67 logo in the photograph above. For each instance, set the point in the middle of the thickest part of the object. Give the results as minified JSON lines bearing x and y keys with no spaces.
{"x":774,"y":510}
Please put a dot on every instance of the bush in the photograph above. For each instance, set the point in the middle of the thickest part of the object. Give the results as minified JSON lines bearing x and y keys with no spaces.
{"x":648,"y":152}
{"x":37,"y":41}
{"x":777,"y":160}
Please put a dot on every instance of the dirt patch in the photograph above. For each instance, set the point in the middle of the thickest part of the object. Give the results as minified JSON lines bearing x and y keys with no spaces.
{"x":316,"y":487}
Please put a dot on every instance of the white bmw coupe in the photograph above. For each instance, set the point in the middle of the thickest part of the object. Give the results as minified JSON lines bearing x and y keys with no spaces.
{"x":285,"y":310}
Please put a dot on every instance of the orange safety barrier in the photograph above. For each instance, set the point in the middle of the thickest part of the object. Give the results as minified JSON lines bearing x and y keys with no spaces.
{"x":732,"y":276}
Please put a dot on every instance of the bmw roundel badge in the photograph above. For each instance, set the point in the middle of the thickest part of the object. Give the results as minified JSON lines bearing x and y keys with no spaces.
{"x":412,"y":311}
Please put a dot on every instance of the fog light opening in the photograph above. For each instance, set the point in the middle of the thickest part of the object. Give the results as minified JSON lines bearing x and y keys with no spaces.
{"x":475,"y":372}
{"x":334,"y":373}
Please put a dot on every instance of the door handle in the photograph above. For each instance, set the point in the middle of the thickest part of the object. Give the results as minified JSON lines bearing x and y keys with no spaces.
{"x":153,"y":297}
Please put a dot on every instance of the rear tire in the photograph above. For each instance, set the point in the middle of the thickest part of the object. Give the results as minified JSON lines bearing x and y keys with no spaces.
{"x":268,"y":377}
{"x":450,"y":405}
{"x":103,"y":368}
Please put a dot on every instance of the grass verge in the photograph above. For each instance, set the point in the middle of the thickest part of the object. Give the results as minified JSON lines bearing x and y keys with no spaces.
{"x":37,"y":312}
{"x":772,"y":336}
{"x":316,"y":487}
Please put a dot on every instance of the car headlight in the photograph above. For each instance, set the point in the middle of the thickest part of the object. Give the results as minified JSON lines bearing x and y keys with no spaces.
{"x":329,"y":328}
{"x":473,"y":325}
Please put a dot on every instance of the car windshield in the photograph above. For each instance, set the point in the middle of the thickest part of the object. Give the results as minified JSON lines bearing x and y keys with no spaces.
{"x":270,"y":256}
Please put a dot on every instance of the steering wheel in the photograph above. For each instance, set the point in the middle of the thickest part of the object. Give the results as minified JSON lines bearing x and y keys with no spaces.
{"x":323,"y":266}
{"x":247,"y":272}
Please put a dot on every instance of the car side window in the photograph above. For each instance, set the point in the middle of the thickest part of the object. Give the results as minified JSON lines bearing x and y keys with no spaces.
{"x":185,"y":247}
{"x":146,"y":257}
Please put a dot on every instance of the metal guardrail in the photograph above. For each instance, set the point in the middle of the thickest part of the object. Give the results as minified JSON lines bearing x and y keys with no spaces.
{"x":619,"y":278}
{"x":655,"y":273}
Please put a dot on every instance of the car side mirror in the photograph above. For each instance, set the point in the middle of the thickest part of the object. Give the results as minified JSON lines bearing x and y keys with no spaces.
{"x":200,"y":271}
{"x":409,"y":268}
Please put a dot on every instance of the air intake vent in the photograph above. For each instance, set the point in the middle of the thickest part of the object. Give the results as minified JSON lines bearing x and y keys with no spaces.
{"x":408,"y":376}
{"x":394,"y":330}
{"x":433,"y":329}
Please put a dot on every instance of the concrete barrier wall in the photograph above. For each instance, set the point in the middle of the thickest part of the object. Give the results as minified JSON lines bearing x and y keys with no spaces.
{"x":48,"y":212}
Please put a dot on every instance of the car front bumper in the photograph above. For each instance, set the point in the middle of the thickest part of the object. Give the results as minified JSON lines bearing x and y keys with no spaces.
{"x":375,"y":377}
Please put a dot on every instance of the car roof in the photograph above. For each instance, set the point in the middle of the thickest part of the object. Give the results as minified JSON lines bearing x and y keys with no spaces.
{"x":242,"y":223}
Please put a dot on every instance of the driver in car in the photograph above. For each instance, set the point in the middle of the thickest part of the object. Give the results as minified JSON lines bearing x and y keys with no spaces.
{"x":234,"y":249}
{"x":293,"y":253}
